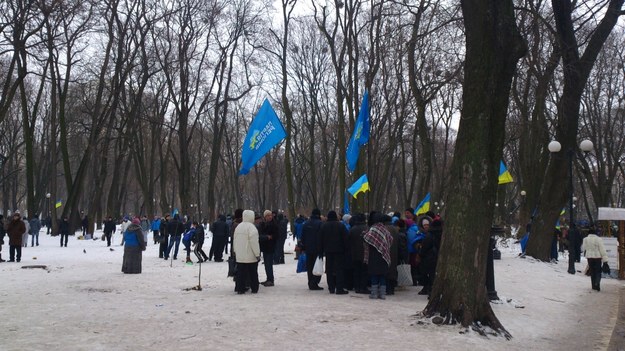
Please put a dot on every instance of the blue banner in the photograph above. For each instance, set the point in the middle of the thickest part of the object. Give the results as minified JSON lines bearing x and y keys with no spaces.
{"x":265,"y":132}
{"x":360,"y":135}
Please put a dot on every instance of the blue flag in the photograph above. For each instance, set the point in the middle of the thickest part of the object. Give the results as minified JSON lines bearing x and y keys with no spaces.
{"x":265,"y":132}
{"x":359,"y":186}
{"x":360,"y":136}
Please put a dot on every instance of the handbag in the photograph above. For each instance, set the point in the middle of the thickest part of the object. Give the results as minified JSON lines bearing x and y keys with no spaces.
{"x":605,"y":268}
{"x":301,"y":263}
{"x":318,"y":267}
{"x":404,"y":277}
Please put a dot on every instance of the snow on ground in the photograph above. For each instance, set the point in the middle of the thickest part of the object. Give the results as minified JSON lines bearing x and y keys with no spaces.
{"x":83,"y":302}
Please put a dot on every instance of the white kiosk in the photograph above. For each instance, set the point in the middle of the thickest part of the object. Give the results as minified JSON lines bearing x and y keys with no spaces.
{"x":615,"y":214}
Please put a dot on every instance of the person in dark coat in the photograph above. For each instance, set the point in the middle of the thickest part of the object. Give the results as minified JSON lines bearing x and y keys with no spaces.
{"x":198,"y":241}
{"x":355,"y":244}
{"x":309,"y":244}
{"x":268,"y":235}
{"x":164,"y":237}
{"x":35,"y":227}
{"x":64,"y":231}
{"x":109,"y":229}
{"x":134,"y":245}
{"x":220,"y":232}
{"x":283,"y":222}
{"x":391,"y":277}
{"x":175,"y":228}
{"x":377,"y":256}
{"x":85,"y":225}
{"x":15,"y":230}
{"x":429,"y":258}
{"x":333,"y":247}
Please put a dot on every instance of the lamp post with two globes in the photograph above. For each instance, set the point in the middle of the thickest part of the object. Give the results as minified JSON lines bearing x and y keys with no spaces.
{"x":586,"y":146}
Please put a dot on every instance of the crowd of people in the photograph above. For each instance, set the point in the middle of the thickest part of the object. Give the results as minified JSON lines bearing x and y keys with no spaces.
{"x":361,"y":252}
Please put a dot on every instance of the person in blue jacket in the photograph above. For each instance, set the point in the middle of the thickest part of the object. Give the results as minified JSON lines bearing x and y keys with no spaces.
{"x":134,"y":245}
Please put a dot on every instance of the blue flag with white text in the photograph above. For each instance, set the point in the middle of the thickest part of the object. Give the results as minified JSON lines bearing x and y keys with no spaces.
{"x":360,"y":135}
{"x":265,"y":132}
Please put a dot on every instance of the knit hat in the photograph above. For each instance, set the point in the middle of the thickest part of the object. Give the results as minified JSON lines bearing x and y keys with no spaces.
{"x":136,"y":221}
{"x":316,"y":212}
{"x":332,"y":215}
{"x":267,"y":213}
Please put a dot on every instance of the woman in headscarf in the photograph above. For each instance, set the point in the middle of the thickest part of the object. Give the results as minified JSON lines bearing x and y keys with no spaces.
{"x":134,"y":245}
{"x":377,"y":256}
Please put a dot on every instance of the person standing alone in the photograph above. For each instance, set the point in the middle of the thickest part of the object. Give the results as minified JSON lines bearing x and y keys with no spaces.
{"x":15,"y":229}
{"x":595,"y":254}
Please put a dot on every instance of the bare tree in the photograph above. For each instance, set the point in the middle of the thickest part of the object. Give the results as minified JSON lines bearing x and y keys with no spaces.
{"x":493,"y":48}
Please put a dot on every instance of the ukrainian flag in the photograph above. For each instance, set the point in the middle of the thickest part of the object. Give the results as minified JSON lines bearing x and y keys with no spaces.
{"x":58,"y":204}
{"x":504,"y":175}
{"x":359,"y":186}
{"x":423,"y":206}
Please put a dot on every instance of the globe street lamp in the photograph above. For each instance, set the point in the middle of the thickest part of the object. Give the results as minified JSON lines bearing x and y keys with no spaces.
{"x":586,"y":146}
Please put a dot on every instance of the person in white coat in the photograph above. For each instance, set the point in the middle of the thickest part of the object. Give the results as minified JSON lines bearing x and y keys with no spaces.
{"x":595,"y":254}
{"x":247,"y":252}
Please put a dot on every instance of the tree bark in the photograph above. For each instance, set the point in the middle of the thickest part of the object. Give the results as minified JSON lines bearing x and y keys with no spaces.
{"x":493,"y":47}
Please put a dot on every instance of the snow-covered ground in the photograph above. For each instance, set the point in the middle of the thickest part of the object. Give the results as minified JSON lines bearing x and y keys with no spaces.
{"x":82,"y":301}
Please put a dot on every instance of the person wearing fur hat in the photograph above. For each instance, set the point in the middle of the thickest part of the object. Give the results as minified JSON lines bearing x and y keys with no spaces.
{"x":334,"y":247}
{"x":134,"y":245}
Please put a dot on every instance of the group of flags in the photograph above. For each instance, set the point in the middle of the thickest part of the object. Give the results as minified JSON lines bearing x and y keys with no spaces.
{"x":266,"y":131}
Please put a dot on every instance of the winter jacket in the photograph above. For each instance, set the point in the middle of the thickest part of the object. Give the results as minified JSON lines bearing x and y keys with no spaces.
{"x":593,"y":245}
{"x":198,"y":238}
{"x":64,"y":227}
{"x":220,"y":228}
{"x":175,"y":228}
{"x":411,"y":234}
{"x":15,"y":229}
{"x":109,"y":226}
{"x":356,"y":242}
{"x":145,"y":225}
{"x":392,"y":271}
{"x":156,"y":225}
{"x":333,"y":237}
{"x":188,"y":235}
{"x":268,"y":229}
{"x":245,"y":241}
{"x":133,"y":237}
{"x":35,"y":226}
{"x":311,"y":236}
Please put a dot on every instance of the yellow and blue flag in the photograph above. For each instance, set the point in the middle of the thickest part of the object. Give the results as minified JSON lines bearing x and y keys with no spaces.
{"x":504,"y":175}
{"x":360,"y":135}
{"x":58,"y":204}
{"x":423,"y":206}
{"x":265,"y":132}
{"x":359,"y":186}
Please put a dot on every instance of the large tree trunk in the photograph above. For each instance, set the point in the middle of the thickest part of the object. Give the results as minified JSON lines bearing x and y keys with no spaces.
{"x":493,"y":47}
